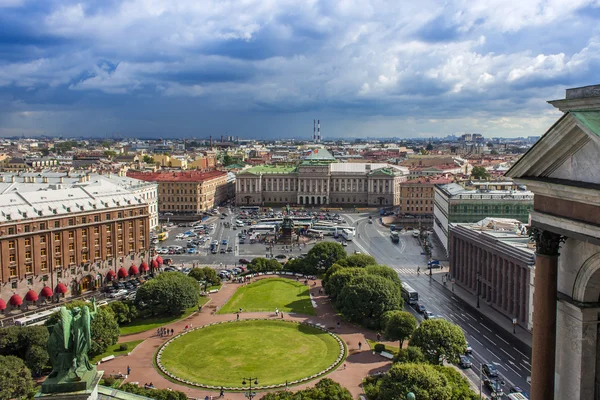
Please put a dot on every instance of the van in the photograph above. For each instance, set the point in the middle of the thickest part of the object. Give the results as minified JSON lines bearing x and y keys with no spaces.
{"x":516,"y":396}
{"x":415,"y":234}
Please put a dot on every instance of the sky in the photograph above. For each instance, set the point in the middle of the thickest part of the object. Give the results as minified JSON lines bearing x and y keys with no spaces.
{"x":267,"y":68}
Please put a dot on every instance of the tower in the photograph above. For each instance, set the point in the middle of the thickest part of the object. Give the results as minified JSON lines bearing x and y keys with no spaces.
{"x":318,"y":131}
{"x":314,"y":130}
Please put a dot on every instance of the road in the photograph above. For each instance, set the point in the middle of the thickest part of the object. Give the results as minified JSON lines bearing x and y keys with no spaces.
{"x":490,"y":343}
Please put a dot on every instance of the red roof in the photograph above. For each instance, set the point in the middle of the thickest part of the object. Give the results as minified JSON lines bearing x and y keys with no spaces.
{"x":61,"y":288}
{"x":154,"y":264}
{"x":2,"y":305}
{"x":111,"y":274}
{"x":122,"y":273}
{"x":144,"y":266}
{"x":159,"y":260}
{"x":15,"y":300}
{"x":31,"y":296}
{"x":178,"y":176}
{"x":46,"y":292}
{"x":133,"y":270}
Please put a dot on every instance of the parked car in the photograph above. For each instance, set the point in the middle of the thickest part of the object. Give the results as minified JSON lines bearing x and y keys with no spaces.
{"x":243,"y":261}
{"x":118,"y":293}
{"x":428,"y":315}
{"x":465,"y":362}
{"x":192,"y":250}
{"x":469,"y":349}
{"x":490,"y":370}
{"x":420,"y":308}
{"x":494,"y":386}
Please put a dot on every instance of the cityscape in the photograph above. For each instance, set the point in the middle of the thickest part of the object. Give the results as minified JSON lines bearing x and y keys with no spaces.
{"x":283,"y":201}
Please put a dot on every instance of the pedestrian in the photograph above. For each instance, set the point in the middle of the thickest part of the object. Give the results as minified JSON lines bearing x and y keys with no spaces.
{"x":238,"y":316}
{"x":276,"y":312}
{"x":282,"y":314}
{"x":338,"y":324}
{"x":222,"y":392}
{"x":172,"y":331}
{"x":344,"y":365}
{"x":359,"y":345}
{"x":378,"y":336}
{"x":128,"y":371}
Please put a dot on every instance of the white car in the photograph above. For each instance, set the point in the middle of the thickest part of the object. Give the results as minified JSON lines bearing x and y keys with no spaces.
{"x":180,"y":236}
{"x":118,"y":294}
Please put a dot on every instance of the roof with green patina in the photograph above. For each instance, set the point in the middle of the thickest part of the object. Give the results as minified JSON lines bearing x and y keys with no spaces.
{"x":271,"y":169}
{"x":590,"y":119}
{"x":319,"y":156}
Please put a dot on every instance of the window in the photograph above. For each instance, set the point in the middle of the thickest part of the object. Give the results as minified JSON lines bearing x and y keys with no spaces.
{"x":13,"y":285}
{"x":108,"y":229}
{"x":57,"y":224}
{"x":71,"y":246}
{"x":26,"y":229}
{"x":120,"y":226}
{"x":59,"y":274}
{"x":96,"y":242}
{"x":43,"y":252}
{"x":71,"y":234}
{"x":73,"y":271}
{"x":84,"y":233}
{"x":120,"y":237}
{"x":130,"y":246}
{"x":130,"y":235}
{"x":71,"y":221}
{"x":57,"y":249}
{"x":11,"y":244}
{"x":96,"y":218}
{"x":120,"y":248}
{"x":97,"y":254}
{"x":12,"y":270}
{"x":12,"y":258}
{"x":72,"y":261}
{"x":96,"y":230}
{"x":11,"y":230}
{"x":83,"y":256}
{"x":42,"y":225}
{"x":57,"y":236}
{"x":108,"y":217}
{"x":84,"y":220}
{"x":44,"y":265}
{"x":28,"y":269}
{"x":57,"y":262}
{"x":119,"y":215}
{"x":84,"y":243}
{"x":130,"y":224}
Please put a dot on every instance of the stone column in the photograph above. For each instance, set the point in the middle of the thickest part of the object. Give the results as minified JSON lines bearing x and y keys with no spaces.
{"x":544,"y":317}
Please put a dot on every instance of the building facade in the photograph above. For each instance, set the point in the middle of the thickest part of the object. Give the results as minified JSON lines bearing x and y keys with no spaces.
{"x":320,"y":180}
{"x":61,"y":242}
{"x":494,"y":259}
{"x":454,"y":203}
{"x":416,"y":195}
{"x":188,"y":192}
{"x":562,"y":170}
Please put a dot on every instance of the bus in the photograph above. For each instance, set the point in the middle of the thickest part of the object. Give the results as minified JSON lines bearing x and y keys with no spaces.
{"x":325,"y":230}
{"x":163,"y":236}
{"x":348,"y":234}
{"x":395,"y":236}
{"x":263,"y":229}
{"x":36,"y":319}
{"x":409,"y":294}
{"x":250,"y":209}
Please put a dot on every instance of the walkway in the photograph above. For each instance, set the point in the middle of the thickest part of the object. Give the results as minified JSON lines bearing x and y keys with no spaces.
{"x":358,"y":364}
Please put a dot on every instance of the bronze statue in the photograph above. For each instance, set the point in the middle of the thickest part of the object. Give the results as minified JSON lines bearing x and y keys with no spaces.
{"x":70,"y":342}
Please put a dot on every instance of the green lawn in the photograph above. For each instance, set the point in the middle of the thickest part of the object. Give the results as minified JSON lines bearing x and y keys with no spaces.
{"x":389,"y":349}
{"x":145,"y":324}
{"x":272,"y":350}
{"x":114,"y":350}
{"x":268,"y":294}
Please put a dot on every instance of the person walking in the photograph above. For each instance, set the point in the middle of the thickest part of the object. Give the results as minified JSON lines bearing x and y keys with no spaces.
{"x":359,"y":346}
{"x":238,"y":316}
{"x":128,"y":370}
{"x":222,"y":392}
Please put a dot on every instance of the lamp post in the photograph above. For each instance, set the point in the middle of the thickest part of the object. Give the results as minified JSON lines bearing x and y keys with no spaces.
{"x":411,"y":396}
{"x":250,"y":381}
{"x":478,"y":288}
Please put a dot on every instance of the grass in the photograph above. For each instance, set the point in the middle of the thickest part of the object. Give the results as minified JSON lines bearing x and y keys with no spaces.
{"x":268,"y":294}
{"x":214,"y":287}
{"x":389,"y":349}
{"x":145,"y":324}
{"x":275,"y":351}
{"x":114,"y":350}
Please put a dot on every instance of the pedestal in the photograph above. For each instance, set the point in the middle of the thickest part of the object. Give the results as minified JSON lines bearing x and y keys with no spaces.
{"x":85,"y":389}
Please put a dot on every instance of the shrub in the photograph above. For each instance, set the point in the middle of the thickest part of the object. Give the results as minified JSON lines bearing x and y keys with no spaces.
{"x":379,"y":348}
{"x":109,"y":381}
{"x":123,"y":347}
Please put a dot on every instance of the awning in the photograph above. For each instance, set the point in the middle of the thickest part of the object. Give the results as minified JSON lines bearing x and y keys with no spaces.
{"x":15,"y":300}
{"x":122,"y":273}
{"x":31,"y":296}
{"x":111,"y":274}
{"x":159,"y":260}
{"x":133,"y":270}
{"x":2,"y":305}
{"x":154,"y":264}
{"x":61,"y":288}
{"x":144,"y":266}
{"x":46,"y":292}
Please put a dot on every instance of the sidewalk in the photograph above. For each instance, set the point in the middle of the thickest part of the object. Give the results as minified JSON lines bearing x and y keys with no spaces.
{"x":485,"y":310}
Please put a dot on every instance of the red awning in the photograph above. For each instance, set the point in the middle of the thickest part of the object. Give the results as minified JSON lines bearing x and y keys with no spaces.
{"x":122,"y":273}
{"x":111,"y":274}
{"x":2,"y":305}
{"x":31,"y":296}
{"x":46,"y":292}
{"x":159,"y":260}
{"x":154,"y":264}
{"x":60,"y":288}
{"x":15,"y":300}
{"x":133,"y":270}
{"x":144,"y":266}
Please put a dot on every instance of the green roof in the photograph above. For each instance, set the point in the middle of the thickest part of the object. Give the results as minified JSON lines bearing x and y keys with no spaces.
{"x":591,"y":120}
{"x":271,"y":169}
{"x":320,"y":154}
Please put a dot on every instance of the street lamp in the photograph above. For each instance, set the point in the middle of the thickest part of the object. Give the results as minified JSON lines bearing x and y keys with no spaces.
{"x":411,"y":396}
{"x":250,"y":381}
{"x":478,"y":288}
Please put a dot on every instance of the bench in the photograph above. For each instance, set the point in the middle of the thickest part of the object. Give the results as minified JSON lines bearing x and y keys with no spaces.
{"x":387,"y":355}
{"x":107,"y":358}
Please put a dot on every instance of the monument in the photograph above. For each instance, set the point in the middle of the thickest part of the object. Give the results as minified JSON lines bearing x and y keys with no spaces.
{"x":287,"y":227}
{"x":72,"y":376}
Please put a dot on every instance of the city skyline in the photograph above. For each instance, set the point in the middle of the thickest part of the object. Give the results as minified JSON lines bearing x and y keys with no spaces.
{"x":268,"y":69}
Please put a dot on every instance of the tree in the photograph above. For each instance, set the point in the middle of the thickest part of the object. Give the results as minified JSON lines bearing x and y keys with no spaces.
{"x":429,"y":146}
{"x":411,"y":354}
{"x":227,"y":160}
{"x":168,"y":293}
{"x":28,"y":343}
{"x":384,"y":271}
{"x":158,"y":394}
{"x":110,"y":153}
{"x":261,"y":264}
{"x":336,"y":282}
{"x":325,"y":389}
{"x":205,"y":274}
{"x":296,"y":265}
{"x":399,"y":325}
{"x":479,"y":173}
{"x":36,"y":359}
{"x":15,"y":378}
{"x":105,"y":331}
{"x":458,"y":382}
{"x":357,"y":260}
{"x":439,"y":341}
{"x":367,"y":297}
{"x":322,"y":256}
{"x":148,"y":159}
{"x":124,"y":311}
{"x":421,"y":379}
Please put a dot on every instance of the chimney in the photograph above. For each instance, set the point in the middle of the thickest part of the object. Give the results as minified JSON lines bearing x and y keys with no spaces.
{"x":210,"y":140}
{"x":12,"y":179}
{"x":319,"y":130}
{"x":33,"y":179}
{"x":314,"y":130}
{"x":62,"y":179}
{"x":45,"y":179}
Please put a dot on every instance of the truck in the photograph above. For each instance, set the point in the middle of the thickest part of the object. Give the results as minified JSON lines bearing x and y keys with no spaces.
{"x":395,"y":236}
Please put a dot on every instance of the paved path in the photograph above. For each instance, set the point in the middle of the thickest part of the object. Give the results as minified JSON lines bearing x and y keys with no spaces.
{"x":358,"y":364}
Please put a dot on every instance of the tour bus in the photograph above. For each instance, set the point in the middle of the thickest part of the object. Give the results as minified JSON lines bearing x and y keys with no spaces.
{"x":409,"y":294}
{"x":36,"y":319}
{"x":323,"y":229}
{"x":163,"y":236}
{"x":263,"y":229}
{"x":348,"y":234}
{"x":395,"y":236}
{"x":250,"y":208}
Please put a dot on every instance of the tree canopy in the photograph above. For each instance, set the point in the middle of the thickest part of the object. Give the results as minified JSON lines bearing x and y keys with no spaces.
{"x":168,"y":293}
{"x":399,"y":325}
{"x":384,"y":271}
{"x":158,"y":394}
{"x":343,"y":276}
{"x":367,"y":297}
{"x":148,"y":159}
{"x":322,"y":256}
{"x":357,"y":260}
{"x":479,"y":173}
{"x":124,"y":311}
{"x":261,"y":264}
{"x":440,"y":341}
{"x":28,"y":343}
{"x":205,"y":274}
{"x":15,"y":378}
{"x":325,"y":389}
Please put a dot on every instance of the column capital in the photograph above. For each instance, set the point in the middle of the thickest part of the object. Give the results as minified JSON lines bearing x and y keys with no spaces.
{"x":547,"y":242}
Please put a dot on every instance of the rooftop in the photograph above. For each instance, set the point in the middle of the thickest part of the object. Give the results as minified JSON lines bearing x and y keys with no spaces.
{"x":176,"y":176}
{"x":271,"y":169}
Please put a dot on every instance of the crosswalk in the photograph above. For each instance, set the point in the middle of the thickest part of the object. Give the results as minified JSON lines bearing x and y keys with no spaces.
{"x":405,"y":271}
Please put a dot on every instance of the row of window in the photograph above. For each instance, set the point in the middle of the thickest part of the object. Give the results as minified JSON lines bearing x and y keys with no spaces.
{"x":487,"y":209}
